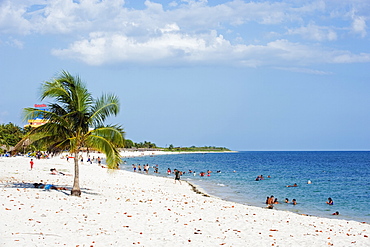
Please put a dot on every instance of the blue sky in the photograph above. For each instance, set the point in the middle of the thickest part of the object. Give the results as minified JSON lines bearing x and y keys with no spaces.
{"x":261,"y":75}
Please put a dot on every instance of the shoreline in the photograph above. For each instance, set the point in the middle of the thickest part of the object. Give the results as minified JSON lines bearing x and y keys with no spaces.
{"x":120,"y":208}
{"x":211,"y":188}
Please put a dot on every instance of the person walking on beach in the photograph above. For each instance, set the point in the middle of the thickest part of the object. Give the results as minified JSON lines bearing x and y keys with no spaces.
{"x":177,"y":175}
{"x":31,"y":163}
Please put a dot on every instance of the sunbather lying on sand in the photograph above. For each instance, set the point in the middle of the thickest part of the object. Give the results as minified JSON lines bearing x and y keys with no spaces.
{"x":54,"y":171}
{"x":48,"y":186}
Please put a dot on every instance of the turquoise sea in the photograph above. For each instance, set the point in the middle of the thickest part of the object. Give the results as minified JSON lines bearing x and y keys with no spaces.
{"x":343,"y":176}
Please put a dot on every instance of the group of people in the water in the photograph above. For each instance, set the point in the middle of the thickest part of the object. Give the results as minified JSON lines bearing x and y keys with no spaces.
{"x":145,"y":169}
{"x":194,"y":173}
{"x":271,"y":200}
{"x":261,"y":177}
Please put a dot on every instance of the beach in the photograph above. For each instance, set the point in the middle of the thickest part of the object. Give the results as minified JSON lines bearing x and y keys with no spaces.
{"x":120,"y":208}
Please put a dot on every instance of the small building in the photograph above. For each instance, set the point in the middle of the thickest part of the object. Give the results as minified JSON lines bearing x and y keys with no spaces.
{"x":39,"y":120}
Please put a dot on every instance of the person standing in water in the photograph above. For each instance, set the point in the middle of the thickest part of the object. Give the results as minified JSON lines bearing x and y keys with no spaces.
{"x":177,"y":175}
{"x":330,"y":201}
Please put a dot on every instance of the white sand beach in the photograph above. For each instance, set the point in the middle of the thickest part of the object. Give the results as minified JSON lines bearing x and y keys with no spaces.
{"x":119,"y":208}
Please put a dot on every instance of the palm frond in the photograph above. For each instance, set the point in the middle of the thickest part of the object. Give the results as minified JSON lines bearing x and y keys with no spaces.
{"x":104,"y":107}
{"x":108,"y":148}
{"x":114,"y":133}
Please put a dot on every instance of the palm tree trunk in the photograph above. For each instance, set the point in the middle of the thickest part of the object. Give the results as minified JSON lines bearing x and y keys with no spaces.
{"x":76,"y":191}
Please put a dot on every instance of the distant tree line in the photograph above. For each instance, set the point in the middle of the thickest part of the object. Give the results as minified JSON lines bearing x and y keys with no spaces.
{"x":196,"y":149}
{"x":145,"y":144}
{"x":11,"y":134}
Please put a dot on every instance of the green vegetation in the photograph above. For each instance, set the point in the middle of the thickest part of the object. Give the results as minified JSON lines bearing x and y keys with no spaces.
{"x":196,"y":149}
{"x":171,"y":148}
{"x":76,"y":121}
{"x":145,"y":144}
{"x":10,"y":135}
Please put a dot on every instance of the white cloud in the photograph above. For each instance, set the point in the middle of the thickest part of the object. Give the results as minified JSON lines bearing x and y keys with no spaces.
{"x":314,"y":32}
{"x":189,"y":31}
{"x":12,"y":18}
{"x":304,"y":70}
{"x":15,"y":43}
{"x":104,"y":48}
{"x":359,"y":25}
{"x":211,"y":48}
{"x":68,"y":16}
{"x":170,"y":28}
{"x":348,"y":57}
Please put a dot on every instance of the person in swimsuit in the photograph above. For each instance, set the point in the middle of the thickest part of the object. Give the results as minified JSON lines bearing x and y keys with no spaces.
{"x":272,"y":199}
{"x":294,"y":185}
{"x":330,"y":201}
{"x":177,"y":175}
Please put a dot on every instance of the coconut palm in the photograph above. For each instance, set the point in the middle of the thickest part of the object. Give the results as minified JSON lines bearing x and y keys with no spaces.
{"x":75,"y":121}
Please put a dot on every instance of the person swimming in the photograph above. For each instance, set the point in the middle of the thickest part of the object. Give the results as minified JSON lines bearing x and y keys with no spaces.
{"x":336,"y":213}
{"x":330,"y":201}
{"x":294,"y":185}
{"x":294,"y":202}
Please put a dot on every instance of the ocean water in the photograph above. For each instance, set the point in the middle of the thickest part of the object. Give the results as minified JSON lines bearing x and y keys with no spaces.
{"x":343,"y":176}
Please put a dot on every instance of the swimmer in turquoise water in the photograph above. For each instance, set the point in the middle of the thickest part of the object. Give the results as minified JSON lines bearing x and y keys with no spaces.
{"x":330,"y":201}
{"x":294,"y":185}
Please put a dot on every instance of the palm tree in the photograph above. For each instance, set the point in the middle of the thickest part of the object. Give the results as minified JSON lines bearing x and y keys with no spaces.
{"x":76,"y":120}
